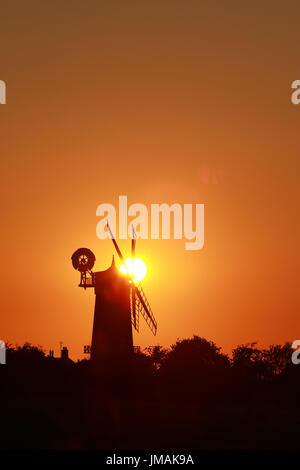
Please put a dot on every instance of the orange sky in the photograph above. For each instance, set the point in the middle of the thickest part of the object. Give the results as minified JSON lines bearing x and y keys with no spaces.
{"x":152,"y":100}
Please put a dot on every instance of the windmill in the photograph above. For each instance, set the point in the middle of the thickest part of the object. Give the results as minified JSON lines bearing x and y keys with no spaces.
{"x":119,"y":303}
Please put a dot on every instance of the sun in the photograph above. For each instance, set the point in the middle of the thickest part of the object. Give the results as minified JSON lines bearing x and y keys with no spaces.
{"x":137,"y":268}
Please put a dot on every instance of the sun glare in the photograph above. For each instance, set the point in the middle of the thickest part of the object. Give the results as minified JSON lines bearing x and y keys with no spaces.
{"x":137,"y":268}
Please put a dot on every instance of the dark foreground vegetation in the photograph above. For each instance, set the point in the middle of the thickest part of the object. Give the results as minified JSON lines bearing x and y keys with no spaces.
{"x":188,"y":397}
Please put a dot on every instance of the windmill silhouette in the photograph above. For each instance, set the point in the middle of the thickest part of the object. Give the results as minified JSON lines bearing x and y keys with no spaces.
{"x":119,"y":303}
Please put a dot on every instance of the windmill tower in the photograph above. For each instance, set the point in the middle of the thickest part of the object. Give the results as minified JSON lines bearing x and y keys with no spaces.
{"x":118,"y":305}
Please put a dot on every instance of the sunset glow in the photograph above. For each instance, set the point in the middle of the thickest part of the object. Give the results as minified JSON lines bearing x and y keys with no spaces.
{"x":164,"y":103}
{"x":137,"y":268}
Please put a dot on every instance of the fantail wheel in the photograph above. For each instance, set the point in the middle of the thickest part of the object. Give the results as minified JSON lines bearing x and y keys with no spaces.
{"x":83,"y":259}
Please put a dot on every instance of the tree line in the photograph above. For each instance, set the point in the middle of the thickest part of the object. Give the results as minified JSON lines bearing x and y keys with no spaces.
{"x":190,"y":395}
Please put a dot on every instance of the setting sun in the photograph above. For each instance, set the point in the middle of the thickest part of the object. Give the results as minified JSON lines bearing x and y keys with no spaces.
{"x":137,"y":268}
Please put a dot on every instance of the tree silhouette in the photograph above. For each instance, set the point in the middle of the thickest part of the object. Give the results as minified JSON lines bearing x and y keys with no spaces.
{"x":277,"y":357}
{"x":194,"y":367}
{"x":157,"y":355}
{"x":248,"y":361}
{"x":187,"y":396}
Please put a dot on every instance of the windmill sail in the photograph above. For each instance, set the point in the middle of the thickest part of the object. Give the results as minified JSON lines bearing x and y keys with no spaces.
{"x":144,"y":308}
{"x":138,"y":301}
{"x":115,"y":244}
{"x":134,"y":312}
